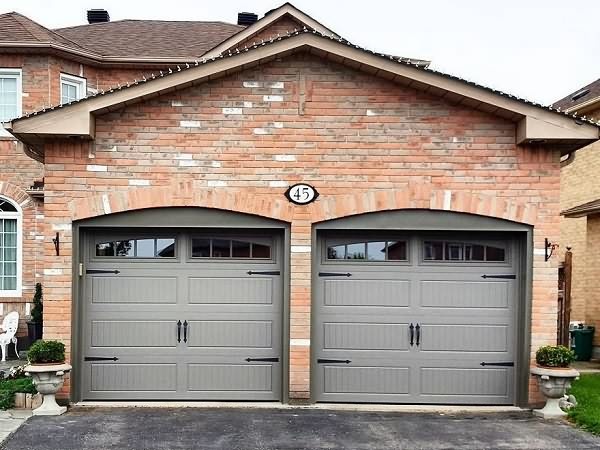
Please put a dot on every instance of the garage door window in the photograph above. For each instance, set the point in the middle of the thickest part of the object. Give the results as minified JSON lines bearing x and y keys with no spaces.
{"x":462,"y":251}
{"x":231,"y":248}
{"x":369,"y":251}
{"x":138,"y":248}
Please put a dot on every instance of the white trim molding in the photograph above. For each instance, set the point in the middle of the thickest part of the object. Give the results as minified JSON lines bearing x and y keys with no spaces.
{"x":18,"y":75}
{"x":19,"y":217}
{"x":79,"y":83}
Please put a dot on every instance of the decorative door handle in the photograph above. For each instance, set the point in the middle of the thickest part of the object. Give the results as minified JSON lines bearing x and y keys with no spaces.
{"x":185,"y":327}
{"x":418,"y":328}
{"x":412,"y":334}
{"x":179,"y":331}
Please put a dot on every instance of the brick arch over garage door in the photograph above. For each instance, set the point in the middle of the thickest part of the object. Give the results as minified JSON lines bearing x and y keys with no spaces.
{"x":414,"y":196}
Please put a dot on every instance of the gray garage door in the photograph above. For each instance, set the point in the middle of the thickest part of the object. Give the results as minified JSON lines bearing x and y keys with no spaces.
{"x":415,"y":319}
{"x":182,"y":315}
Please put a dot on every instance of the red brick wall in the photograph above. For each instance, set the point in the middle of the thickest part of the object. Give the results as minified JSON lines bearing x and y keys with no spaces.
{"x":365,"y":143}
{"x":41,"y":88}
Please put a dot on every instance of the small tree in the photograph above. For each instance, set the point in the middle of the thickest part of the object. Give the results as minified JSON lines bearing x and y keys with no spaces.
{"x":37,"y":312}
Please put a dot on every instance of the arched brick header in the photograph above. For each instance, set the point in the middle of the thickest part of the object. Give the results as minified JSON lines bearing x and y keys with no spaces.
{"x":423,"y":196}
{"x":15,"y":193}
{"x":275,"y":206}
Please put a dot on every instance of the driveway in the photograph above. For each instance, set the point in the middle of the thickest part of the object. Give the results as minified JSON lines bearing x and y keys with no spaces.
{"x":192,"y":428}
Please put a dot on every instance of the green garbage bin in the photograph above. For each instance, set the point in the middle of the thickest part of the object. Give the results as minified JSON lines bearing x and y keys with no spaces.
{"x":581,"y":342}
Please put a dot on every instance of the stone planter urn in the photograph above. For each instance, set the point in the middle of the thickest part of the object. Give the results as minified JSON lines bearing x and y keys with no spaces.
{"x":553,"y":383}
{"x":48,"y":379}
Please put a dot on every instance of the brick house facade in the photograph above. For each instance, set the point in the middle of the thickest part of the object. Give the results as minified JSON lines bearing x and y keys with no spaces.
{"x":373,"y":135}
{"x":579,"y":222}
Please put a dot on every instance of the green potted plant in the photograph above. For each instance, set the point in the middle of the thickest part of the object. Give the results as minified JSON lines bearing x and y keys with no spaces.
{"x":35,"y":325}
{"x":554,"y":376}
{"x":47,"y":367}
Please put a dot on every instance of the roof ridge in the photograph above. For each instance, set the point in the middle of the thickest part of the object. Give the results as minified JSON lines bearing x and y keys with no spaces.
{"x":222,"y":22}
{"x":276,"y":38}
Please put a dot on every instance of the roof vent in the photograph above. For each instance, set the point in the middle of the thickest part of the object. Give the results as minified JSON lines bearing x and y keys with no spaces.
{"x":580,"y":94}
{"x":97,"y":16}
{"x":246,"y":18}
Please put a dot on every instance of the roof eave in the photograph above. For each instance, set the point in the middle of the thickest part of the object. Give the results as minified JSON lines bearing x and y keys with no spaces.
{"x":585,"y":106}
{"x":97,"y":59}
{"x":537,"y":125}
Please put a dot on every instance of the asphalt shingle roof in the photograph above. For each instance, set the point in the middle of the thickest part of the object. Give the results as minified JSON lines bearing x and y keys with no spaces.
{"x":15,"y":27}
{"x":580,"y":96}
{"x":185,"y":40}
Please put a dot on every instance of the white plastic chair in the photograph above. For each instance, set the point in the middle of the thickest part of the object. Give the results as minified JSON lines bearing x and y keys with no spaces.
{"x":9,"y":325}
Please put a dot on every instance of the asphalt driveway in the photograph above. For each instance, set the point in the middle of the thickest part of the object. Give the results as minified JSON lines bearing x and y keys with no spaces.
{"x":193,"y":428}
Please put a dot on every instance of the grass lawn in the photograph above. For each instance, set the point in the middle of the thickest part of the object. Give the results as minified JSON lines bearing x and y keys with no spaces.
{"x":587,"y":412}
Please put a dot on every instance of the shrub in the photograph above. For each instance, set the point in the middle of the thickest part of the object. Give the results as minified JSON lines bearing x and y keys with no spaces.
{"x":554,"y":356}
{"x":37,"y":312}
{"x":42,"y":352}
{"x":16,"y":382}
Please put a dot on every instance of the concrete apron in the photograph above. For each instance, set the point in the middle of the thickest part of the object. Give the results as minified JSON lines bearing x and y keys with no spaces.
{"x":436,"y":409}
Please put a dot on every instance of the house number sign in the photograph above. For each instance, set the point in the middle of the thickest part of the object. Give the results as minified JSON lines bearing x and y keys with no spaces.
{"x":301,"y":194}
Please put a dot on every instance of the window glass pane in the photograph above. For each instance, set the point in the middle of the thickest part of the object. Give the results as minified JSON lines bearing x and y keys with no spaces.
{"x":261,"y":250}
{"x":396,"y":251}
{"x":10,"y":254}
{"x":165,"y":248}
{"x":220,"y":248}
{"x":433,"y":251}
{"x":8,"y":97}
{"x":145,"y":248}
{"x":200,"y":248}
{"x":454,"y":251}
{"x":355,"y":251}
{"x":7,"y":206}
{"x":336,"y":252}
{"x":240,"y":249}
{"x":494,"y":254}
{"x":10,"y":225}
{"x":125,"y":248}
{"x":474,"y":252}
{"x":10,"y":283}
{"x":105,"y":249}
{"x":10,"y":269}
{"x":376,"y":251}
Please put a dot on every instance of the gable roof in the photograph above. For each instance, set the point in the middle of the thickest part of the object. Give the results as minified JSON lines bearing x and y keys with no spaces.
{"x":535,"y":123}
{"x":581,"y":98}
{"x":152,"y":39}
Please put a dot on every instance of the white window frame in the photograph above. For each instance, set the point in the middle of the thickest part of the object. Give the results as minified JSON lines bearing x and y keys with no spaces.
{"x":19,"y":216}
{"x":78,"y":83}
{"x":18,"y":75}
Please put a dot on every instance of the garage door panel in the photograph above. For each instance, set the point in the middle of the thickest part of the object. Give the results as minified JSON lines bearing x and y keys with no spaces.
{"x":134,"y":289}
{"x":381,"y":292}
{"x":132,"y":333}
{"x":365,"y":336}
{"x":464,"y":294}
{"x":133,"y":377}
{"x":231,"y":290}
{"x":219,"y":333}
{"x":464,"y":319}
{"x":464,"y":381}
{"x":225,"y":315}
{"x":366,"y":380}
{"x":230,"y":377}
{"x":464,"y":338}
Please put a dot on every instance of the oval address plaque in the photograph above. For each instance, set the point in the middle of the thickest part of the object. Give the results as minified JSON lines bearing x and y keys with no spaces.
{"x":301,"y":194}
